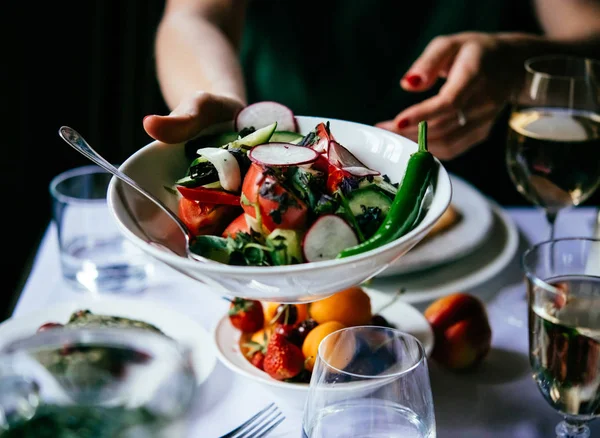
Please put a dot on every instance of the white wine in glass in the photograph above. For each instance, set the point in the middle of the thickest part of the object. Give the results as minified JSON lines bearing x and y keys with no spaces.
{"x":553,"y":146}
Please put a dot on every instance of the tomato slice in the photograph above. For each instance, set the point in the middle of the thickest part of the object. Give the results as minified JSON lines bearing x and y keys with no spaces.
{"x":209,"y":196}
{"x":239,"y":225}
{"x":203,"y":219}
{"x":291,"y":216}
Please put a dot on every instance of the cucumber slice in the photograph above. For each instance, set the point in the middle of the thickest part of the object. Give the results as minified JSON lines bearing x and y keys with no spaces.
{"x":368,"y":197}
{"x":286,"y":137}
{"x":260,"y":136}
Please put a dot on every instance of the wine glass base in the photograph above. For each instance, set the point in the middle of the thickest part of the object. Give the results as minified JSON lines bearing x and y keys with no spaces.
{"x":566,"y":430}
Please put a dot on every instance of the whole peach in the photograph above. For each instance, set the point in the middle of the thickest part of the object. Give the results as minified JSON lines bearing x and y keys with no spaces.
{"x":462,"y":331}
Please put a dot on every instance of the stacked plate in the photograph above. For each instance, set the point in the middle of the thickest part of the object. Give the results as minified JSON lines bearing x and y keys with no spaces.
{"x":478,"y":243}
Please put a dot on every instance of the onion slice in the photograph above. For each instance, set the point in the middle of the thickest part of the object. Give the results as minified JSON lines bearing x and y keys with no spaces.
{"x":227,"y":167}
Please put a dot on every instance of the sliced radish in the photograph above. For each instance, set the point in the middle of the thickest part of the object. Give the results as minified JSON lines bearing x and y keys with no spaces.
{"x":227,"y":167}
{"x":282,"y":154}
{"x":342,"y":158}
{"x":261,"y":114}
{"x":327,"y":237}
{"x":360,"y":171}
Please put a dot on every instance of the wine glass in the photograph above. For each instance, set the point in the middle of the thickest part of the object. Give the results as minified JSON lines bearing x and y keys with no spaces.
{"x":369,"y":382}
{"x":95,"y":382}
{"x":553,"y":144}
{"x":563,"y":288}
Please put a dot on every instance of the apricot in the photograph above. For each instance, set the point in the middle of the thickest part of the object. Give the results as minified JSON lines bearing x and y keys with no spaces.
{"x":310,"y":346}
{"x":350,"y":306}
{"x":462,"y":331}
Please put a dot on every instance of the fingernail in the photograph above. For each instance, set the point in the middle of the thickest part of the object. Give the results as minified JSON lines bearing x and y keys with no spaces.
{"x":402,"y":123}
{"x":413,"y":80}
{"x":146,"y":118}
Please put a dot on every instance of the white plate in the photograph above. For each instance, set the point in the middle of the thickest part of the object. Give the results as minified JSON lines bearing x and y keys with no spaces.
{"x":463,"y":274}
{"x":226,"y":338}
{"x":463,"y":238}
{"x":175,"y":325}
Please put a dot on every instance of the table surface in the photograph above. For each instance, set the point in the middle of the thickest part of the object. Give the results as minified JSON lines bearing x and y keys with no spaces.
{"x":499,"y":399}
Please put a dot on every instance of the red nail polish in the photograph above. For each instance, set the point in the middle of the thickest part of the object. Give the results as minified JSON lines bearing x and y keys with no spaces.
{"x":403,"y":123}
{"x":413,"y":80}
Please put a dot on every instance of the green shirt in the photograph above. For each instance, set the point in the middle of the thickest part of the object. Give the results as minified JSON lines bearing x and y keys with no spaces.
{"x":344,"y":59}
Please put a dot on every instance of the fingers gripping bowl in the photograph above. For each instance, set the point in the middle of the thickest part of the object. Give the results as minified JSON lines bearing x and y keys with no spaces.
{"x":157,"y":166}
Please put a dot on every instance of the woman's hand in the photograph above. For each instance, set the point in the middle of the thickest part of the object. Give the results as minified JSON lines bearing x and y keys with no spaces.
{"x":480,"y":70}
{"x":192,"y":115}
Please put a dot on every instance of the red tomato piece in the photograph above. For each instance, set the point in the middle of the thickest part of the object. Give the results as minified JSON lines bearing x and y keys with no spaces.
{"x":209,"y":196}
{"x":274,"y":213}
{"x":202,"y":218}
{"x":238,"y":225}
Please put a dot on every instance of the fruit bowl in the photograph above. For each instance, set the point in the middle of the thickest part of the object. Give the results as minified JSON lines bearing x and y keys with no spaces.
{"x":228,"y":340}
{"x":158,"y":165}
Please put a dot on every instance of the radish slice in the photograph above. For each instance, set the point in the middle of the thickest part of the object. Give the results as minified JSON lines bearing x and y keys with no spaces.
{"x":227,"y":167}
{"x":341,"y":157}
{"x":360,"y":171}
{"x":261,"y":114}
{"x":327,"y":237}
{"x":282,"y":154}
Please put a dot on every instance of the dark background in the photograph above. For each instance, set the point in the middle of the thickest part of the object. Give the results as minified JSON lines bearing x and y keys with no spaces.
{"x":89,"y":65}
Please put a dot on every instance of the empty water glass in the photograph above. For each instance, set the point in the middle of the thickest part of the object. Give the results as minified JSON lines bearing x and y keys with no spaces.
{"x":369,"y":382}
{"x":94,"y":254}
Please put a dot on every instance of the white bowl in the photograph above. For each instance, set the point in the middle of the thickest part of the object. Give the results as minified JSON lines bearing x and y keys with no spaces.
{"x":226,"y":337}
{"x":158,"y":165}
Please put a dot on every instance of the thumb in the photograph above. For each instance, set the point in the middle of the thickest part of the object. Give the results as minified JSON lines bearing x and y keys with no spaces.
{"x":191,"y":116}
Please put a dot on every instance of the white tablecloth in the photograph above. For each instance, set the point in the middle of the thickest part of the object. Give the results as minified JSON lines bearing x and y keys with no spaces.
{"x":498,"y":400}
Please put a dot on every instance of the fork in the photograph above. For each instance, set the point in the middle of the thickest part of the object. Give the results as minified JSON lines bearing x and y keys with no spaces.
{"x":260,"y":425}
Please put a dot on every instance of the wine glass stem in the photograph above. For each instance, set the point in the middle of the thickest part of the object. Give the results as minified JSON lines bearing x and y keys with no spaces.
{"x":568,"y":429}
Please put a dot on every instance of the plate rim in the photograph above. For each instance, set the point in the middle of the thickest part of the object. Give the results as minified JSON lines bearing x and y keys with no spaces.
{"x":481,"y":275}
{"x":396,"y":268}
{"x":222,"y":357}
{"x":208,"y":349}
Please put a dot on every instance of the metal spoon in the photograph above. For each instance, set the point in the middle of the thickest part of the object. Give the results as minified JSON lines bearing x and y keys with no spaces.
{"x":74,"y":139}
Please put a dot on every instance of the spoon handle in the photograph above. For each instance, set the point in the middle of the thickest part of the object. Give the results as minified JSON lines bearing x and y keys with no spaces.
{"x":78,"y":143}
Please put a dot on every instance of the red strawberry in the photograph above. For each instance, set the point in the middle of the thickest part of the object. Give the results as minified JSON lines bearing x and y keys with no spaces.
{"x":283,"y":360}
{"x":258,"y":360}
{"x":246,"y":315}
{"x":256,"y":352}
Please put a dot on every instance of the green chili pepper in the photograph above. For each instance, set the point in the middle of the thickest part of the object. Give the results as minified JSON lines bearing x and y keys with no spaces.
{"x":405,"y":210}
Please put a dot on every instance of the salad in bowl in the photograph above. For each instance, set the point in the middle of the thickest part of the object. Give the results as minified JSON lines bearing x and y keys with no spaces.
{"x":291,"y":208}
{"x":271,"y":197}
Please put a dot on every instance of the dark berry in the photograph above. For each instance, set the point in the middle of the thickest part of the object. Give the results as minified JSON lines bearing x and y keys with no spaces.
{"x":287,"y":314}
{"x":380,"y":321}
{"x":304,"y":327}
{"x":290,"y":333}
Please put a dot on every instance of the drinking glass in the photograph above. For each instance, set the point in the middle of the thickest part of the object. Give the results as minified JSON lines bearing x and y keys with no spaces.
{"x":553,"y":144}
{"x":563,"y":288}
{"x":95,"y":382}
{"x":94,"y":254}
{"x":369,"y":382}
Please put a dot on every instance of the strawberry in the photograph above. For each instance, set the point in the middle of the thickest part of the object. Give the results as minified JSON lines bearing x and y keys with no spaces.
{"x":283,"y":360}
{"x":256,"y":352}
{"x":258,"y":360}
{"x":246,"y":315}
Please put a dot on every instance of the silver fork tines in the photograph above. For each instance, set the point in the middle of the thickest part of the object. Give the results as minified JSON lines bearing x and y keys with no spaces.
{"x":260,"y":425}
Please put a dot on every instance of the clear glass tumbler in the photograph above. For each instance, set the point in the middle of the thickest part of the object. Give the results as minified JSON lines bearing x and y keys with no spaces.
{"x":95,"y":382}
{"x":94,"y":254}
{"x":369,"y":382}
